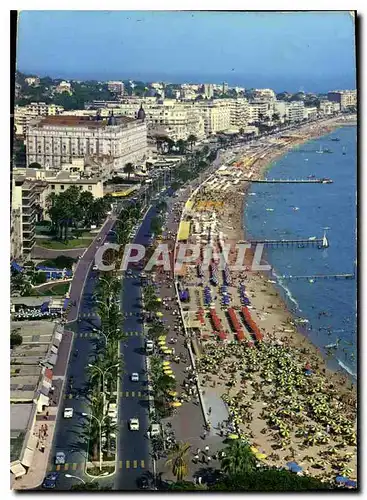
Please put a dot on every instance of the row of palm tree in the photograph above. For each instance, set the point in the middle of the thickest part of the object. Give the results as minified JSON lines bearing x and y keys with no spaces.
{"x":167,"y":145}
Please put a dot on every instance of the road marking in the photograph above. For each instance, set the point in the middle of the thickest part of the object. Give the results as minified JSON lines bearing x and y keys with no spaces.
{"x":135,"y":464}
{"x":58,"y":467}
{"x":66,"y":467}
{"x":121,"y":394}
{"x":128,"y":464}
{"x":142,"y":464}
{"x":70,"y":396}
{"x":50,"y":467}
{"x":120,"y":464}
{"x":139,"y":394}
{"x":75,"y":466}
{"x":127,"y":394}
{"x":133,"y":394}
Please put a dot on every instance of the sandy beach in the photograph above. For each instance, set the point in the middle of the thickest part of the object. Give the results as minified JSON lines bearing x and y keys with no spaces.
{"x":286,"y":414}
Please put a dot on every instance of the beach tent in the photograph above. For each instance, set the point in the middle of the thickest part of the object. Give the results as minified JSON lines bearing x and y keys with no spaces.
{"x":341,"y":479}
{"x":294,"y":467}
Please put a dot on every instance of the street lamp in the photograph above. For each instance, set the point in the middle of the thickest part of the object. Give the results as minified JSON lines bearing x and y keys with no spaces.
{"x":100,"y":435}
{"x":103,"y":372}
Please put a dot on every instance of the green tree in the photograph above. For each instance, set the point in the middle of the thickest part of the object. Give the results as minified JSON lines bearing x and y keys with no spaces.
{"x":192,"y":139}
{"x":34,"y":165}
{"x":178,"y":460}
{"x":90,"y":486}
{"x":15,"y":340}
{"x":181,"y":144}
{"x":239,"y":459}
{"x":129,"y":169}
{"x":270,"y":480}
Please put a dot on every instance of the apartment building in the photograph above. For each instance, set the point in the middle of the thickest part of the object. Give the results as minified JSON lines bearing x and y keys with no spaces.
{"x":310,"y":113}
{"x":16,"y":226}
{"x":64,"y":87}
{"x":208,"y":90}
{"x":280,"y":108}
{"x":55,"y":140}
{"x":346,"y":98}
{"x":24,"y":200}
{"x":260,"y":110}
{"x":24,"y":114}
{"x":116,"y":87}
{"x":295,"y":111}
{"x":264,"y":94}
{"x":329,"y":107}
{"x":32,"y":81}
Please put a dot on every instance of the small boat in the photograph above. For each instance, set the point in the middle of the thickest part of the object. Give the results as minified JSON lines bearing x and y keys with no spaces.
{"x":311,"y":281}
{"x":312,"y":238}
{"x":320,"y":151}
{"x":331,"y":346}
{"x":295,"y":208}
{"x":344,"y":151}
{"x":335,"y":139}
{"x":270,"y":209}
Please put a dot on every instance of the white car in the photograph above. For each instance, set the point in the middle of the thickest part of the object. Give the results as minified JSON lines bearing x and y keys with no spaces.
{"x":134,"y":377}
{"x":68,"y":412}
{"x":134,"y":424}
{"x":95,"y":267}
{"x":60,"y":458}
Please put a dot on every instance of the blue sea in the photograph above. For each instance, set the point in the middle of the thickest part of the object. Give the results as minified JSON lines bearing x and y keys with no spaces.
{"x":304,"y":211}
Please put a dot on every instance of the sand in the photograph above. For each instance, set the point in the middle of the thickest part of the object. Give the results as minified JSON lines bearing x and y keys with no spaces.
{"x":276,"y":323}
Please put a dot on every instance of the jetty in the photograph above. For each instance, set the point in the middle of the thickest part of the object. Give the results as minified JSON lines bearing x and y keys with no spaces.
{"x":301,"y":243}
{"x":316,"y":277}
{"x":291,"y":181}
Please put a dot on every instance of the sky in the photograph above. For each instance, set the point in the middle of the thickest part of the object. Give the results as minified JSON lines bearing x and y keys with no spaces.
{"x":310,"y":51}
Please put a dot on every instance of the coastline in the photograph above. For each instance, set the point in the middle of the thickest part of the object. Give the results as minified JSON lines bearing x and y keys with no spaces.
{"x":268,"y":309}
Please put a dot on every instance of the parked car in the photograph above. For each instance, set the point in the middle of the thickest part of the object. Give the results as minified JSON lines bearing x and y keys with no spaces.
{"x":134,"y":377}
{"x":60,"y":458}
{"x":50,"y":481}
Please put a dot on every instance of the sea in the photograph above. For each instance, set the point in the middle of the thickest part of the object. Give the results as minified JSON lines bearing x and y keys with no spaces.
{"x":300,"y":211}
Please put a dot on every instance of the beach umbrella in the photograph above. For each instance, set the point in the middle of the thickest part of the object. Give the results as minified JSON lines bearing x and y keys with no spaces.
{"x":166,"y":363}
{"x":341,"y":479}
{"x":294,"y":467}
{"x":176,"y":404}
{"x":172,"y":393}
{"x":172,"y":376}
{"x":351,"y":484}
{"x":165,"y":349}
{"x":260,"y":456}
{"x":233,"y":436}
{"x":159,"y":314}
{"x":168,"y":372}
{"x":162,"y":337}
{"x":254,"y":450}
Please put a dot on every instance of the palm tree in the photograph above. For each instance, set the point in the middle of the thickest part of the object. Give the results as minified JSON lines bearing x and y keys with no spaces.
{"x":239,"y":459}
{"x":177,"y":459}
{"x":192,"y":139}
{"x":181,"y":144}
{"x":129,"y":169}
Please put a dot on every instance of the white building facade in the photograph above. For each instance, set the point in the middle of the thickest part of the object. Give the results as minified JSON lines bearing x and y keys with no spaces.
{"x":57,"y":140}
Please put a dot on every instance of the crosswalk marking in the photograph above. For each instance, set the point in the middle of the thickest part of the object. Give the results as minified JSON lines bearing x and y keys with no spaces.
{"x":120,"y":464}
{"x":142,"y":464}
{"x":128,"y":464}
{"x":133,"y":394}
{"x":139,"y":394}
{"x":75,"y":466}
{"x":135,"y":464}
{"x":58,"y":467}
{"x":66,"y":467}
{"x":50,"y":467}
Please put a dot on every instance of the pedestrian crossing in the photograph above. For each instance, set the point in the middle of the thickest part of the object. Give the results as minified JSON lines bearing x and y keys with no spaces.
{"x":91,"y":335}
{"x":94,"y":314}
{"x":133,"y":394}
{"x":122,"y":464}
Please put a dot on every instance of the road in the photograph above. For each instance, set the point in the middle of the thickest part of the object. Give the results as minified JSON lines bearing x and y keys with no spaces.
{"x":133,"y":446}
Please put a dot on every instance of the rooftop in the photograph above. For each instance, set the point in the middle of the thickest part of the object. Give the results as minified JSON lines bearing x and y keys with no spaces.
{"x":80,"y":121}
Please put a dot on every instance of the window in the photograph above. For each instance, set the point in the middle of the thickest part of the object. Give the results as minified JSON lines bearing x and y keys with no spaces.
{"x":90,"y":188}
{"x":52,"y":186}
{"x":62,"y":186}
{"x":80,"y":187}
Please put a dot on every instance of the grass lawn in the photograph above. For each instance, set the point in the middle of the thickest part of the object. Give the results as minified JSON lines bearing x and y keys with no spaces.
{"x":60,"y":245}
{"x":52,"y":289}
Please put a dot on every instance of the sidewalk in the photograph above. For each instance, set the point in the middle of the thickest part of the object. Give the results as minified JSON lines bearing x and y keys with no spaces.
{"x":44,"y":428}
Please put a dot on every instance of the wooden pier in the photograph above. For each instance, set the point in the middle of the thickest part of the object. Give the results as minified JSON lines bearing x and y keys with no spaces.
{"x":316,"y":277}
{"x":291,"y":181}
{"x":301,"y":243}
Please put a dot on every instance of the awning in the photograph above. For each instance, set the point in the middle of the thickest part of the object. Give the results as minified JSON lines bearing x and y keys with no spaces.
{"x":29,"y":451}
{"x":42,"y":401}
{"x":52,"y":359}
{"x":48,"y":374}
{"x":58,"y":336}
{"x":54,"y":349}
{"x":17,"y":469}
{"x":45,"y":389}
{"x":189,"y":204}
{"x":56,"y":342}
{"x":184,"y":231}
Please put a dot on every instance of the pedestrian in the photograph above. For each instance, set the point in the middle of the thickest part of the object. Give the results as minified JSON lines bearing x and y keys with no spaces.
{"x":209,"y":410}
{"x":209,"y":459}
{"x":196,"y":459}
{"x":206,"y":449}
{"x":198,"y":451}
{"x":199,"y":479}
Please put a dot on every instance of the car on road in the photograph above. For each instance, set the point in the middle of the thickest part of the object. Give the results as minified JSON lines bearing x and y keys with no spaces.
{"x":134,"y":424}
{"x":68,"y":412}
{"x":60,"y":458}
{"x":143,"y":483}
{"x":134,"y":377}
{"x":50,"y":481}
{"x":95,"y":267}
{"x":155,"y":430}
